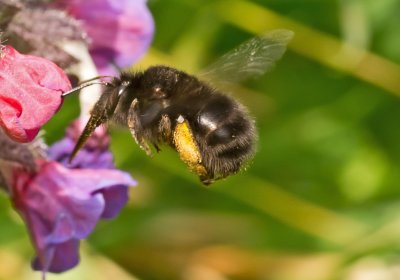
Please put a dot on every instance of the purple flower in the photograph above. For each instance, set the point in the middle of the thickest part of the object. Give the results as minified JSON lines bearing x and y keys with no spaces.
{"x":120,"y":30}
{"x":62,"y":206}
{"x":95,"y":153}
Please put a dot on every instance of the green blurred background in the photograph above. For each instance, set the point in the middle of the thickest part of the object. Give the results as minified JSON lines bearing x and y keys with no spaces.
{"x":320,"y":201}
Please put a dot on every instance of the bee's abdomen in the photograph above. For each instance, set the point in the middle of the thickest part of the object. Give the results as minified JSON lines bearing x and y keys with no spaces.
{"x":226,"y":135}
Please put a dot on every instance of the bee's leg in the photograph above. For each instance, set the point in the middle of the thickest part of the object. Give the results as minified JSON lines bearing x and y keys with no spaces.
{"x":136,"y":128}
{"x":165,"y":129}
{"x":156,"y":147}
{"x":164,"y":132}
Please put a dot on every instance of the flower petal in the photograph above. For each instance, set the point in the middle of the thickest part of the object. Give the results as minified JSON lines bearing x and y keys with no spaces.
{"x":86,"y":158}
{"x":94,"y":154}
{"x":120,"y":30}
{"x":116,"y":197}
{"x":30,"y":93}
{"x":63,"y":256}
{"x":60,"y":205}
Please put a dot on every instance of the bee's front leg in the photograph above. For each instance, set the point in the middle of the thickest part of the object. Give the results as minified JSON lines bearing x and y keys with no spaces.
{"x":135,"y":128}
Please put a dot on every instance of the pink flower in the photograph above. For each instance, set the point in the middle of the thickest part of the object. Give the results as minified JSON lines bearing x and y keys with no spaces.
{"x":120,"y":30}
{"x":30,"y":93}
{"x":62,"y":206}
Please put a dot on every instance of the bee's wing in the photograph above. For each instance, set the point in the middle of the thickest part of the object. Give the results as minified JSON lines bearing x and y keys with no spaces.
{"x":250,"y":59}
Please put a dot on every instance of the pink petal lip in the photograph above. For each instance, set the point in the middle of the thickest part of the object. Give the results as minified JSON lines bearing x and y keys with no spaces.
{"x":30,"y":93}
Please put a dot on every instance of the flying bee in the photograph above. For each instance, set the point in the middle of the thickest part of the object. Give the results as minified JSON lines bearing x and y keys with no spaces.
{"x":212,"y":132}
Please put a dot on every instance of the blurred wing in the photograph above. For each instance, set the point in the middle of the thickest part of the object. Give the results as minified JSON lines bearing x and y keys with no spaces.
{"x":250,"y":59}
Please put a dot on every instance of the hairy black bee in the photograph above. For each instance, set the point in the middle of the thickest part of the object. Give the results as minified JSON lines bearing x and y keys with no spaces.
{"x":211,"y":131}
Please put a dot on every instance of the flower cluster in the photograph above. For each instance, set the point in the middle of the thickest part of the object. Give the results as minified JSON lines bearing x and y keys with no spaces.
{"x":61,"y":202}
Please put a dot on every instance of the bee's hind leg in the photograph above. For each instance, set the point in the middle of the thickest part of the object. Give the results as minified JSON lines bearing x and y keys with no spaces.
{"x":136,"y":129}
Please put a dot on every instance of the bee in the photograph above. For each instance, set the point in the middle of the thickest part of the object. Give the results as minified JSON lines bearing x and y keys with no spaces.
{"x":211,"y":131}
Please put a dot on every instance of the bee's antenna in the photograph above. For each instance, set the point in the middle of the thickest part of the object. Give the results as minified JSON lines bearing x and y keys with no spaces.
{"x":94,"y":78}
{"x":83,"y":86}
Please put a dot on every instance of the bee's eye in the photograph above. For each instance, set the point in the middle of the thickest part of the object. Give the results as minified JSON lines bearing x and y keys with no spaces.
{"x":122,"y":87}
